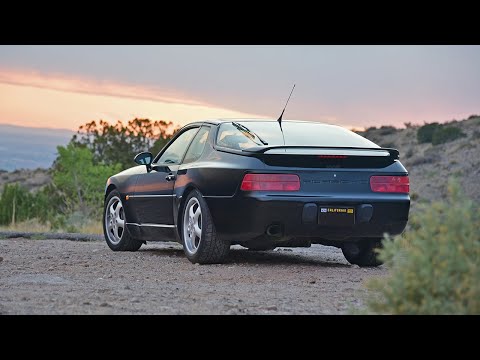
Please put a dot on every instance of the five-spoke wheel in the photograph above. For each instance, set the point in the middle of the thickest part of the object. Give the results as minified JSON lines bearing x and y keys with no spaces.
{"x":192,"y":225}
{"x":200,"y":242}
{"x":115,"y":220}
{"x":114,"y":225}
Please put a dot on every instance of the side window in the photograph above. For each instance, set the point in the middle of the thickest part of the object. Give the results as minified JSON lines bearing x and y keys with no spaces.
{"x":198,"y":144}
{"x":174,"y":153}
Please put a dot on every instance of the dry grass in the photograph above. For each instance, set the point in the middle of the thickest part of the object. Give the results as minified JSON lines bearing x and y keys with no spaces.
{"x":91,"y":228}
{"x":33,"y":225}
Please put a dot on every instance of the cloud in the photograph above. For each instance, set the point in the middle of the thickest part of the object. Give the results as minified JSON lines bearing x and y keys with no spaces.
{"x":89,"y":85}
{"x":36,"y":100}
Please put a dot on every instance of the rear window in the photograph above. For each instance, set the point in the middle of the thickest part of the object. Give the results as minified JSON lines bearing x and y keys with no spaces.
{"x":296,"y":133}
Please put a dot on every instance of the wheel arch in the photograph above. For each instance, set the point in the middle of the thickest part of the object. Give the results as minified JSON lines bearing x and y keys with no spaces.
{"x":185,"y":194}
{"x":109,"y":189}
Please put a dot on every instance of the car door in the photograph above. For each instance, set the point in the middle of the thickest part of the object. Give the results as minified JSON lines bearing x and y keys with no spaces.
{"x":153,"y":197}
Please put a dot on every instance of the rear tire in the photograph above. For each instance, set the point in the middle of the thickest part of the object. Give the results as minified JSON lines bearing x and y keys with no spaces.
{"x":200,"y":242}
{"x":114,"y":225}
{"x":363,"y":253}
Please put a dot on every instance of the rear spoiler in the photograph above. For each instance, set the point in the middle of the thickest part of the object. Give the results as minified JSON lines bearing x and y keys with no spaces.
{"x":394,"y":154}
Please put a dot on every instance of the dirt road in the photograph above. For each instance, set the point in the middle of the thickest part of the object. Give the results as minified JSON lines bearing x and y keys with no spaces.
{"x":69,"y":277}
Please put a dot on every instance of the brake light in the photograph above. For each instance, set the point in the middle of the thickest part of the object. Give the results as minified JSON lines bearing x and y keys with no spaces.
{"x":270,"y":182}
{"x":390,"y":184}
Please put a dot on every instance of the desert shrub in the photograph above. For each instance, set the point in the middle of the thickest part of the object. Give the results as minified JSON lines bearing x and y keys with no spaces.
{"x":434,"y":267}
{"x":420,"y":160}
{"x":387,"y":144}
{"x":409,"y":153}
{"x":473,"y":116}
{"x":387,"y":130}
{"x":425,"y":132}
{"x":445,"y":134}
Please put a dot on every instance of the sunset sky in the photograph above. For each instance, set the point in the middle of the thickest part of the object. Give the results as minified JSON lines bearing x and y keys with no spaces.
{"x":355,"y":86}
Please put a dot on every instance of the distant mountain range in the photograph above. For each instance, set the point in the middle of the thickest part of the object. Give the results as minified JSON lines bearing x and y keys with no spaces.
{"x":30,"y":148}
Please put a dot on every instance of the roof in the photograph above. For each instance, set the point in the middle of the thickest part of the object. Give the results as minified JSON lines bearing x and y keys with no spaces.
{"x":221,"y":121}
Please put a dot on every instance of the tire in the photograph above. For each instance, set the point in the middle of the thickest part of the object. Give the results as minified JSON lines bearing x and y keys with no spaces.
{"x":114,"y":225}
{"x":363,"y":253}
{"x":200,"y":242}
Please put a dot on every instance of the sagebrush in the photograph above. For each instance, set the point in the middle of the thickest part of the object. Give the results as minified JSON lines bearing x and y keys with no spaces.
{"x":435,"y":266}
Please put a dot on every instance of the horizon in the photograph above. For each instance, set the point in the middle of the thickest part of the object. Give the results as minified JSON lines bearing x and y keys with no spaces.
{"x":36,"y":147}
{"x":65,"y":86}
{"x":353,"y":128}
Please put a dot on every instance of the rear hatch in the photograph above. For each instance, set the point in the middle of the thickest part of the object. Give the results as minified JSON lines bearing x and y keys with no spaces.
{"x":330,"y":171}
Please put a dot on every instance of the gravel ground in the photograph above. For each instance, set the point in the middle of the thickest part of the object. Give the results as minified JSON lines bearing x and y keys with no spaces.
{"x":70,"y":277}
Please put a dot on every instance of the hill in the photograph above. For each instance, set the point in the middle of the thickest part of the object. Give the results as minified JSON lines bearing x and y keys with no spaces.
{"x":431,"y":165}
{"x":30,"y":148}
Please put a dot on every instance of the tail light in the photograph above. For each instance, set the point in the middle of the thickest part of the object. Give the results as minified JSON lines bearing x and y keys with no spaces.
{"x":390,"y":184}
{"x":270,"y":182}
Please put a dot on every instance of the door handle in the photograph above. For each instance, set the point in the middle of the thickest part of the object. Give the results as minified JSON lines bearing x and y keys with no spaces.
{"x":170,"y":177}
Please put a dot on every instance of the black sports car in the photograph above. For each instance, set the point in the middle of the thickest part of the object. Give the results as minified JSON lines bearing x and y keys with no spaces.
{"x":224,"y":182}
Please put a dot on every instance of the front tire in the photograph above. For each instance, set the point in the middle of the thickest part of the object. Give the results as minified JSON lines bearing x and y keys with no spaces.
{"x":200,"y":242}
{"x":114,"y":225}
{"x":363,"y":253}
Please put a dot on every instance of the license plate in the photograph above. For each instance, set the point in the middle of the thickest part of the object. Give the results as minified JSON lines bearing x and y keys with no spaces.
{"x":336,"y":215}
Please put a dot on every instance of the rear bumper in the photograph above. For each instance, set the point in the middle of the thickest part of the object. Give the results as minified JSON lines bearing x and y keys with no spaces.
{"x":242,"y":218}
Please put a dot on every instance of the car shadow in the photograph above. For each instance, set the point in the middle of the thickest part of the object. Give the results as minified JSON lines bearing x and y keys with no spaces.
{"x":244,"y":256}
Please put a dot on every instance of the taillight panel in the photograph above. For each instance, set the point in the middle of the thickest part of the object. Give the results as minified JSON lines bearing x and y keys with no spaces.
{"x":390,"y":184}
{"x":270,"y":182}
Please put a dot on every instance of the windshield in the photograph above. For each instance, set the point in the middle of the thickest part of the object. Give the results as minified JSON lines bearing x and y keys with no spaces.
{"x":296,"y":133}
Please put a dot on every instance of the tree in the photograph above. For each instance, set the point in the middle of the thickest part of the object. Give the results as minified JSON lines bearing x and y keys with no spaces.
{"x":80,"y":181}
{"x":119,"y":143}
{"x":18,"y":204}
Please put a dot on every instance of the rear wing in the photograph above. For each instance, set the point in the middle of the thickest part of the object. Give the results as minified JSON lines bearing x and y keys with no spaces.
{"x":394,"y":153}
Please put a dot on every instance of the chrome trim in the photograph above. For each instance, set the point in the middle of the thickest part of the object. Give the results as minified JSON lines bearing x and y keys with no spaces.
{"x":219,"y":196}
{"x":152,"y":225}
{"x":148,"y":196}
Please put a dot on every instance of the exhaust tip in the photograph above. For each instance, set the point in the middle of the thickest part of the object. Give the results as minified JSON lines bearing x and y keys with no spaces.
{"x":275,"y":230}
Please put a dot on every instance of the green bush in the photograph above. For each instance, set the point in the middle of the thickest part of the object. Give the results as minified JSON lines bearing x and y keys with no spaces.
{"x":18,"y":204}
{"x":435,"y":266}
{"x":438,"y":134}
{"x":425,"y":132}
{"x":445,"y":134}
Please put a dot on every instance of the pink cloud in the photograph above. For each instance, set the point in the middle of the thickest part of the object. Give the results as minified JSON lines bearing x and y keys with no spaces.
{"x":89,"y":85}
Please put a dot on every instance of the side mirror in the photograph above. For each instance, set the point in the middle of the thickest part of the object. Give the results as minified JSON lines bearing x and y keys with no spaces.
{"x":144,"y":158}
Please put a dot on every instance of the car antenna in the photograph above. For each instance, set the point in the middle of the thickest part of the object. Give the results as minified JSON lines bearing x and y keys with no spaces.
{"x":281,"y":115}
